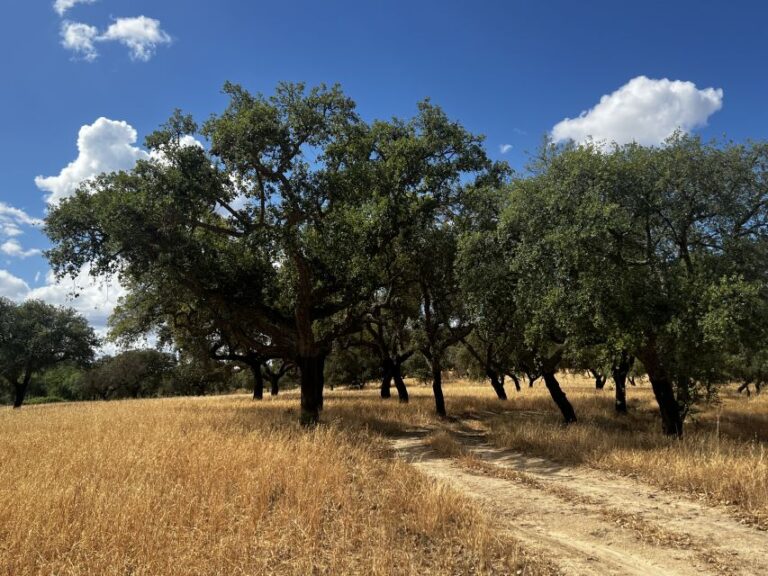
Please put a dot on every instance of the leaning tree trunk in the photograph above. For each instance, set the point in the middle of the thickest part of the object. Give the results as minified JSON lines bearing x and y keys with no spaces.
{"x":619,"y":373}
{"x":671,"y":415}
{"x":498,"y":387}
{"x":258,"y":382}
{"x":437,"y":387}
{"x":312,"y":380}
{"x":559,"y":397}
{"x":397,"y":375}
{"x":745,"y":387}
{"x":387,"y":368}
{"x":516,"y":380}
{"x":20,"y":389}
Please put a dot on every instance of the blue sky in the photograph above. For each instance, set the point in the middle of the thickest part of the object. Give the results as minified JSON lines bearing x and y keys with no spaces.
{"x":511,"y":70}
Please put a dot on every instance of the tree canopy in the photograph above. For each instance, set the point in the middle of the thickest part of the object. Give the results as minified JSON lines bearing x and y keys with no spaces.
{"x":35,"y":336}
{"x":278,"y":231}
{"x":298,"y":229}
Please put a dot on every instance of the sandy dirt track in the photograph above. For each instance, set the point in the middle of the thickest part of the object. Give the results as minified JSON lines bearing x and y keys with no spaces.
{"x":588,"y":522}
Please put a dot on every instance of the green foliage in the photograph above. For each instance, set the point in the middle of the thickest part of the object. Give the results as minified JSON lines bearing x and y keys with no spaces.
{"x":130,"y":374}
{"x":658,"y":251}
{"x":351,"y":366}
{"x":199,"y":376}
{"x":302,"y":231}
{"x":63,"y":381}
{"x":35,"y":336}
{"x":44,"y":400}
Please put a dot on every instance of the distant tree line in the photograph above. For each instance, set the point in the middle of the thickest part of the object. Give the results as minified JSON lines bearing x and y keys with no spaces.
{"x":140,"y":373}
{"x":301,"y":232}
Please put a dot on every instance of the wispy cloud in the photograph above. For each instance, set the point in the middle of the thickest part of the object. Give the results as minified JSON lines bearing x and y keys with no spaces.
{"x":13,"y":220}
{"x":504,"y":148}
{"x":644,"y":110}
{"x":61,"y":6}
{"x":14,"y":249}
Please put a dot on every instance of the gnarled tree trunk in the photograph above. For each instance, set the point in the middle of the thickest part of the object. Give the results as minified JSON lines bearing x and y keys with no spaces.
{"x":559,"y":397}
{"x":258,"y":381}
{"x":397,"y":375}
{"x":312,"y":381}
{"x":437,"y":385}
{"x":387,"y":368}
{"x":274,"y":386}
{"x":20,"y":389}
{"x":619,"y":372}
{"x":498,"y":386}
{"x":671,"y":415}
{"x":599,"y":379}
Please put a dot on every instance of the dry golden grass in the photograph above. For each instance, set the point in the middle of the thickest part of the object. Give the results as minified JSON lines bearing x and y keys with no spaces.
{"x":227,"y":486}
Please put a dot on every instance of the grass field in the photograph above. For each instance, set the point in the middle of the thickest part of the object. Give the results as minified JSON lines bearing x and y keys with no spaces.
{"x":225,"y":485}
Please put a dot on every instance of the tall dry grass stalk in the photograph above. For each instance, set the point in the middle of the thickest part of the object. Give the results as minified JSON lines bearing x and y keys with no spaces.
{"x":224,"y":486}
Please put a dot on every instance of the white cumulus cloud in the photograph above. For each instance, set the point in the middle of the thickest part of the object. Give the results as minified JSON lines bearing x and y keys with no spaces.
{"x":80,"y":38}
{"x":61,"y":6}
{"x":94,"y":298}
{"x":104,"y":146}
{"x":12,"y":287}
{"x":140,"y":34}
{"x":14,"y":249}
{"x":644,"y":110}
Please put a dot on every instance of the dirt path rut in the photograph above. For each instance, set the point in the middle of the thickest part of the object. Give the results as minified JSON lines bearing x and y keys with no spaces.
{"x":592,"y":523}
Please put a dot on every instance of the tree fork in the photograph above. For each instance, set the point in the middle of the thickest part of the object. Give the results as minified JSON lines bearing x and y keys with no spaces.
{"x":599,"y":379}
{"x":619,"y":372}
{"x":498,"y":387}
{"x":402,"y":391}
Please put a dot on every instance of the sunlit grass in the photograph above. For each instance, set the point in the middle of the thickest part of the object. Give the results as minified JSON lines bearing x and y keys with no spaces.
{"x":225,"y":486}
